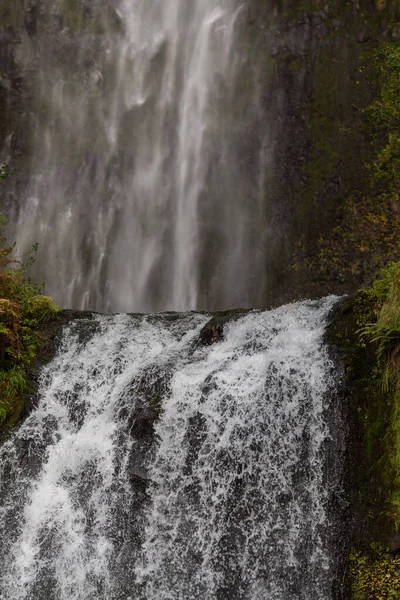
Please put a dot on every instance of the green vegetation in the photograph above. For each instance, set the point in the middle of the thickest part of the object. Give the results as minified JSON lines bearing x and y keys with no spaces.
{"x":367,"y":330}
{"x":363,"y":248}
{"x":366,"y":237}
{"x":376,"y":577}
{"x":23,"y":311}
{"x":386,"y":329}
{"x":384,"y":333}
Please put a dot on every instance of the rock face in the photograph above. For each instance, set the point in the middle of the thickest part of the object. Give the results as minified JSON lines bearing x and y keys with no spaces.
{"x":306,"y":56}
{"x":371,"y":473}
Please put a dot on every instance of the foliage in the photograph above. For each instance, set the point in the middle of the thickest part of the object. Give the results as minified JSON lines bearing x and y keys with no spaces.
{"x":367,"y":330}
{"x":384,"y":332}
{"x":386,"y":329}
{"x":23,"y":310}
{"x":376,"y":577}
{"x":384,"y":117}
{"x":366,"y":235}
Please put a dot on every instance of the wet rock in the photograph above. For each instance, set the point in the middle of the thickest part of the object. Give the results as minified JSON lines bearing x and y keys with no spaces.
{"x":213,"y":331}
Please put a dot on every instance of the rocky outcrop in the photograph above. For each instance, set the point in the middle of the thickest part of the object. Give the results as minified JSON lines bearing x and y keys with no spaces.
{"x":321,"y":83}
{"x":371,"y":470}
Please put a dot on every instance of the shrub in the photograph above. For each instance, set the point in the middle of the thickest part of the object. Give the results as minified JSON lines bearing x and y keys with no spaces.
{"x":377,"y":577}
{"x":23,"y":311}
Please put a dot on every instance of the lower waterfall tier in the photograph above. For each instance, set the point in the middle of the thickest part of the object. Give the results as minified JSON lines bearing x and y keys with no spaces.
{"x":168,"y":459}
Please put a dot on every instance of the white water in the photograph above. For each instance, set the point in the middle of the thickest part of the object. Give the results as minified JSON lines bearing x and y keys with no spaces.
{"x":150,"y":153}
{"x":228,"y":500}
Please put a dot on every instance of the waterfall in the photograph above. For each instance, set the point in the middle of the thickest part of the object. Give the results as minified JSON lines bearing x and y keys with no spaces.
{"x":150,"y":155}
{"x":159,"y":466}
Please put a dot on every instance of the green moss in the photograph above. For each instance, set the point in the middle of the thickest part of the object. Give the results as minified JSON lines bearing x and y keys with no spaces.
{"x":384,"y":332}
{"x":361,"y":234}
{"x":322,"y":119}
{"x":11,"y":14}
{"x":376,"y":575}
{"x":296,"y":65}
{"x":155,"y":403}
{"x":333,"y":118}
{"x":366,"y":331}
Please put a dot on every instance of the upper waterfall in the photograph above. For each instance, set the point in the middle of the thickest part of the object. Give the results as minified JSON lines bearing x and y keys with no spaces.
{"x":158,"y":467}
{"x":150,"y":156}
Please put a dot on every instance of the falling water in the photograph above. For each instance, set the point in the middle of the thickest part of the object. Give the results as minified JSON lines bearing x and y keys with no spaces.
{"x":150,"y":152}
{"x":158,"y":467}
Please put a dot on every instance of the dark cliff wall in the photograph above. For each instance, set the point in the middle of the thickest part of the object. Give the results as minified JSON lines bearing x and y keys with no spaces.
{"x":322,"y":81}
{"x":369,"y":398}
{"x":26,"y":28}
{"x":314,"y":84}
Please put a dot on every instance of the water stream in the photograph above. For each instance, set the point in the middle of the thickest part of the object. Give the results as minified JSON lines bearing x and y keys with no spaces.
{"x":150,"y":154}
{"x":158,"y":467}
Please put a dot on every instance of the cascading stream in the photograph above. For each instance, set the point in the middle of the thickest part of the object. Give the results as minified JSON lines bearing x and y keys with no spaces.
{"x":157,"y":467}
{"x":149,"y":159}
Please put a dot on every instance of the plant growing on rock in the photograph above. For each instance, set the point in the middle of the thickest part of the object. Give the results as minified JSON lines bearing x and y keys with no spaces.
{"x":23,"y":310}
{"x":366,"y":236}
{"x":376,"y":578}
{"x":376,"y":572}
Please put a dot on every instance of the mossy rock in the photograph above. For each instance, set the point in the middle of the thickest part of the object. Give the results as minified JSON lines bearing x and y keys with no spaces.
{"x":213,"y":331}
{"x":11,"y":14}
{"x":370,"y":479}
{"x":376,"y":576}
